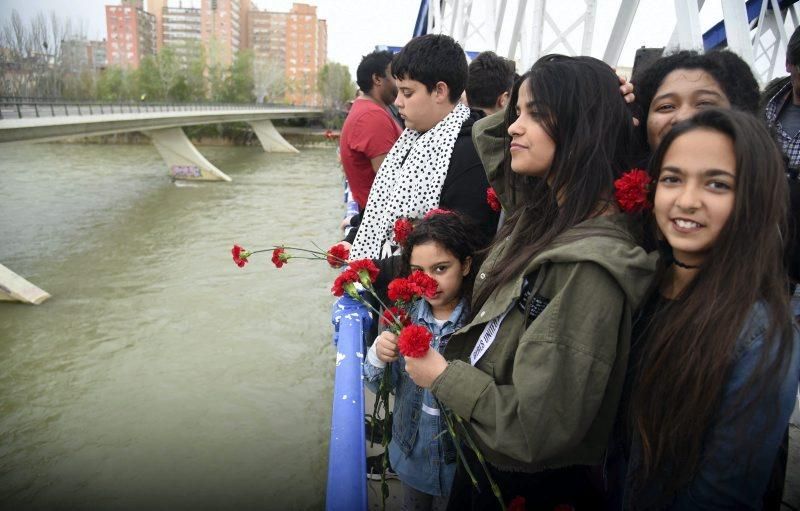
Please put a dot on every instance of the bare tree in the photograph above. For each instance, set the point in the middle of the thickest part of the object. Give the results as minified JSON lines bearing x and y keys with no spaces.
{"x":30,"y":55}
{"x":269,"y":81}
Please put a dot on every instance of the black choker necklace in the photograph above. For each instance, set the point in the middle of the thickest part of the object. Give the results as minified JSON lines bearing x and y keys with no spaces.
{"x":682,"y":265}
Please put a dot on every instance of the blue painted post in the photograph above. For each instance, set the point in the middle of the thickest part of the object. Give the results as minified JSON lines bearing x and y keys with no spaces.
{"x":347,"y":454}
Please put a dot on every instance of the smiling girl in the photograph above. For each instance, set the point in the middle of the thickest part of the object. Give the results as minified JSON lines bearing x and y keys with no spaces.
{"x":715,"y":359}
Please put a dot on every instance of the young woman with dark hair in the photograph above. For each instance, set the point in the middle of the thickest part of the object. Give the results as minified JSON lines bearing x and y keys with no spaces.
{"x":538,"y":371}
{"x":715,"y":359}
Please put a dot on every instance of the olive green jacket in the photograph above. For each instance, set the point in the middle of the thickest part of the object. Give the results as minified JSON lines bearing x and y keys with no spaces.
{"x":489,"y":138}
{"x":545,"y":393}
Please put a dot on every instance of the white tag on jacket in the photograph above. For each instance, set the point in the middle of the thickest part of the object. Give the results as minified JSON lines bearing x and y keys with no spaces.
{"x":487,"y":336}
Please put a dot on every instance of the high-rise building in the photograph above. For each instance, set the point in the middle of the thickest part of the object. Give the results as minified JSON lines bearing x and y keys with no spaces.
{"x":322,"y":42}
{"x":297,"y":41}
{"x":220,"y":30}
{"x":267,"y":36}
{"x":131,"y":33}
{"x":181,"y":32}
{"x":156,"y":8}
{"x":244,"y":13}
{"x":302,"y":54}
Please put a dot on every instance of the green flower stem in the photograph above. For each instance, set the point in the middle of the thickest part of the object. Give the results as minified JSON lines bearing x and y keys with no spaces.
{"x":319,"y":253}
{"x":382,"y":401}
{"x":449,"y":421}
{"x":479,"y":455}
{"x":270,"y":249}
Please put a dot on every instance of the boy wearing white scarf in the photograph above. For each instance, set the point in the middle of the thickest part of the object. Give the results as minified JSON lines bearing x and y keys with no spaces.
{"x":433,"y":164}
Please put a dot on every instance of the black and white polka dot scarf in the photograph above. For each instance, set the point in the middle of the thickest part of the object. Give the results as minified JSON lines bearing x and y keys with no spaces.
{"x":408,"y":184}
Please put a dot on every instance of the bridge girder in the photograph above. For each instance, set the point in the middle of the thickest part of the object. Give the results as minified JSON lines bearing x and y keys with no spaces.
{"x":163,"y":128}
{"x":530,"y":29}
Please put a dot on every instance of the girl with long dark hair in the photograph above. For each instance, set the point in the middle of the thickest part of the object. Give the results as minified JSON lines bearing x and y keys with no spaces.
{"x":538,"y":371}
{"x":715,"y":359}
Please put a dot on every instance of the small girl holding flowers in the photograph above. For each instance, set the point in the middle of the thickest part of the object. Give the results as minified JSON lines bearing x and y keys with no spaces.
{"x":421,"y":451}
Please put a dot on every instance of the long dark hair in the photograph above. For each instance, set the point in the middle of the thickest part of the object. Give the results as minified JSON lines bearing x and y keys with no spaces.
{"x":685,"y":361}
{"x":454,"y":233}
{"x":583,"y":112}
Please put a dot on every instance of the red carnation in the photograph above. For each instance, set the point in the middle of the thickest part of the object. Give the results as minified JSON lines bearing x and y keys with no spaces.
{"x":337,"y":255}
{"x":392,"y":315}
{"x":366,"y":270}
{"x":427,"y":284}
{"x":240,"y":255}
{"x":414,"y":341}
{"x":437,"y":211}
{"x":344,"y":283}
{"x":402,"y":228}
{"x":492,"y":199}
{"x":518,"y":502}
{"x":632,"y":190}
{"x":279,"y":257}
{"x":402,"y":290}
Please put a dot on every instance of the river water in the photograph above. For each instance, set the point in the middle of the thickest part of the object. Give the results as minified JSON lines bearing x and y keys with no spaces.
{"x":160,"y":375}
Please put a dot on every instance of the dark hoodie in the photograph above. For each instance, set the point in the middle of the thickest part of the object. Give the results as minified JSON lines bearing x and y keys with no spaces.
{"x":464,"y":188}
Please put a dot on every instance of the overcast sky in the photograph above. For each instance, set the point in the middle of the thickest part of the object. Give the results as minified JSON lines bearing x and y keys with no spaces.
{"x":356,"y":26}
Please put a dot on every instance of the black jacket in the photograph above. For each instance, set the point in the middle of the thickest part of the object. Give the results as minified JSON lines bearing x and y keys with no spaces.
{"x":464,"y":188}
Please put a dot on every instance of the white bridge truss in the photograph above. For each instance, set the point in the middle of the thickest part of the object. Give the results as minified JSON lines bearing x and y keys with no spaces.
{"x":524,"y":30}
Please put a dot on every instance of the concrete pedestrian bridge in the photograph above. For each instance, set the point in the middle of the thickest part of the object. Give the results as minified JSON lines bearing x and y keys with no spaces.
{"x":36,"y":120}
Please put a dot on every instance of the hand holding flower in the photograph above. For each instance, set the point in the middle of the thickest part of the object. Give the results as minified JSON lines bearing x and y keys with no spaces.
{"x":386,"y":347}
{"x":425,"y":369}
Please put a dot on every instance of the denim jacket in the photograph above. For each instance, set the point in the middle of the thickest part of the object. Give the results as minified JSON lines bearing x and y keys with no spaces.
{"x":732,"y":475}
{"x":422,"y":456}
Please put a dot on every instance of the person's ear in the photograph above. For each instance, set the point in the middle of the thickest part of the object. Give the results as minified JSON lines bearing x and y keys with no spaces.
{"x":376,"y":79}
{"x":467,"y":266}
{"x":442,"y":92}
{"x":502,"y":99}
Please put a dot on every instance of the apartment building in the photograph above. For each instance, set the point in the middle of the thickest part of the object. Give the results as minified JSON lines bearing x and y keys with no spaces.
{"x":131,"y":33}
{"x":220,"y":30}
{"x":297,"y":41}
{"x":180,"y":31}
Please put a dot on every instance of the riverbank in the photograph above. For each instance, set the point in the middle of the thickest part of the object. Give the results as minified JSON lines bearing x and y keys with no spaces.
{"x":236,"y":137}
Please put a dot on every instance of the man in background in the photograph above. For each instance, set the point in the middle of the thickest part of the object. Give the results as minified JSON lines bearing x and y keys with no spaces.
{"x":489,"y":82}
{"x":369,"y":130}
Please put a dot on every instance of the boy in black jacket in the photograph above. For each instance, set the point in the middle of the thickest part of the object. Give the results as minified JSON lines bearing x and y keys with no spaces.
{"x":434,"y":163}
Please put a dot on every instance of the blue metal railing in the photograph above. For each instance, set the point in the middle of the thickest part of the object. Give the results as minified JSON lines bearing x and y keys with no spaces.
{"x":347,"y":454}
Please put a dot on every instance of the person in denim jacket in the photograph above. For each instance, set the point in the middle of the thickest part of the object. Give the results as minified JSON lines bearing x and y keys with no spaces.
{"x":421,"y":451}
{"x":716,"y":356}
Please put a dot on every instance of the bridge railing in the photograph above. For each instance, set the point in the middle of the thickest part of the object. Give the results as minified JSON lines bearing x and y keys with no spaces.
{"x":25,"y":107}
{"x":347,"y":452}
